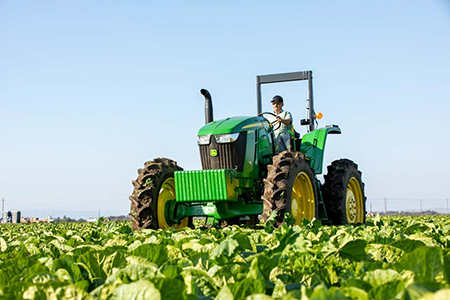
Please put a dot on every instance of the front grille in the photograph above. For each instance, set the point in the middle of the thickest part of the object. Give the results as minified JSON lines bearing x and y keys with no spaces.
{"x":204,"y":156}
{"x":229,"y":155}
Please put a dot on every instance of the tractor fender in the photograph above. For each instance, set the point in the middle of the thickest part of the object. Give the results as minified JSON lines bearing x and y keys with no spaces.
{"x":313,"y":146}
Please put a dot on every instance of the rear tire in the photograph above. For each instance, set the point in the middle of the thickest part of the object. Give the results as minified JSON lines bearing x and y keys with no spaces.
{"x":154,"y":186}
{"x":290,"y":187}
{"x":343,"y":193}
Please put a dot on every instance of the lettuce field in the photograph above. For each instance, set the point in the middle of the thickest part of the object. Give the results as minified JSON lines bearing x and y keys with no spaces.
{"x":387,"y":258}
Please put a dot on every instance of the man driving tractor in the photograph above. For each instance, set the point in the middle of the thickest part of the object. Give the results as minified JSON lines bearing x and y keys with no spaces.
{"x":282,"y":136}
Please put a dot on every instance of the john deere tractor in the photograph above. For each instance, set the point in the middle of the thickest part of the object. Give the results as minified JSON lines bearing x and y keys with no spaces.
{"x":242,"y":176}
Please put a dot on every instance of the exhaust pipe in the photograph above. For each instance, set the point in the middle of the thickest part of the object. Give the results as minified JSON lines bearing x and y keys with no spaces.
{"x":208,"y":106}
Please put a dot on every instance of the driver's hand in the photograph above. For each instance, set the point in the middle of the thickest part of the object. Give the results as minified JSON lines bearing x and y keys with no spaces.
{"x":278,"y":119}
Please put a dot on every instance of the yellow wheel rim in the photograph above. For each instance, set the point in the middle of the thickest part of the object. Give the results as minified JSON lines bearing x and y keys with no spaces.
{"x":302,"y":202}
{"x":166,"y":193}
{"x":354,"y":202}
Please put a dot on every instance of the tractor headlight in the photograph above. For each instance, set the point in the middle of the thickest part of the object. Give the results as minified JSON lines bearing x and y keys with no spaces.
{"x":203,"y":139}
{"x":226,"y":138}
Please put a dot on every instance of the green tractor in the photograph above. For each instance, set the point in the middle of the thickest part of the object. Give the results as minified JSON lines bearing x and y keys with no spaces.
{"x":243,"y":177}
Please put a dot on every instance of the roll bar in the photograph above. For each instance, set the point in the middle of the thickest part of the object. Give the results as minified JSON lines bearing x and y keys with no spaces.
{"x":286,"y":77}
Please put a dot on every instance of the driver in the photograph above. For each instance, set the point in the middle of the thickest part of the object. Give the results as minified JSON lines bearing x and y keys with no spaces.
{"x":282,"y":137}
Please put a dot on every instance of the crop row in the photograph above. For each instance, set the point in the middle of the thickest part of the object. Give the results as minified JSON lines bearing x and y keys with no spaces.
{"x":387,"y":258}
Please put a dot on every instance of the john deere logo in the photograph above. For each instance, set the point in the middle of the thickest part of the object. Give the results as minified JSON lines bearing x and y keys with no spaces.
{"x":213,"y":152}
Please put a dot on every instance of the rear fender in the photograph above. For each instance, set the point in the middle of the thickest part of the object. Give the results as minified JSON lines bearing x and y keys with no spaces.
{"x":313,"y":146}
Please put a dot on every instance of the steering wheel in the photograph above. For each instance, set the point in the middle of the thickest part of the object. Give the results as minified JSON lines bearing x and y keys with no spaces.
{"x":275,"y":124}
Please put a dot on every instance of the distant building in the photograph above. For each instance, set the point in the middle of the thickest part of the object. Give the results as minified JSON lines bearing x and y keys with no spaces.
{"x":15,"y":216}
{"x":11,"y":217}
{"x":6,"y":217}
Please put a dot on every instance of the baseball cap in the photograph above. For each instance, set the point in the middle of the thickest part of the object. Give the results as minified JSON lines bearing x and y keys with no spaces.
{"x":277,"y":98}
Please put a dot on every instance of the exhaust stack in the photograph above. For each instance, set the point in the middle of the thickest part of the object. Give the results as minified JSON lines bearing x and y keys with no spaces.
{"x":208,"y":106}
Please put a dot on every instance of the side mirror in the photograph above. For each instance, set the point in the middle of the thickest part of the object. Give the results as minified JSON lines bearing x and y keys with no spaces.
{"x":304,"y":122}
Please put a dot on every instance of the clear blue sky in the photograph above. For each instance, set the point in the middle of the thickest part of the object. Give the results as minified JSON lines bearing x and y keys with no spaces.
{"x":90,"y":90}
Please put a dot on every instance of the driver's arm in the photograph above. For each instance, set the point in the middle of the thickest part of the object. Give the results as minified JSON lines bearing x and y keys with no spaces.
{"x":286,"y":121}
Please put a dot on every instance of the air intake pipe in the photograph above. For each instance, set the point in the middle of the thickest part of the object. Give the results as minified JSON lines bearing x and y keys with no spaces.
{"x":208,"y":106}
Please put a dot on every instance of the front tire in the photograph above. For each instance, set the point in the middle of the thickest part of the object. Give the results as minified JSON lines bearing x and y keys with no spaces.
{"x":343,"y":193}
{"x":154,"y":186}
{"x":290,"y":187}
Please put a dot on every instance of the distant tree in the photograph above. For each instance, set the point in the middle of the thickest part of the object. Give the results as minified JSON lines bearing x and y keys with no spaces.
{"x":119,"y":218}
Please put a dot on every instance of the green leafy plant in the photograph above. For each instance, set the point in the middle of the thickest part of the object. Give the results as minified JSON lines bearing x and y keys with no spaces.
{"x":387,"y":258}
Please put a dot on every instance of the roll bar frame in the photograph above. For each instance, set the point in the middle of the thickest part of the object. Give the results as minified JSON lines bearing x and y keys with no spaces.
{"x":286,"y":77}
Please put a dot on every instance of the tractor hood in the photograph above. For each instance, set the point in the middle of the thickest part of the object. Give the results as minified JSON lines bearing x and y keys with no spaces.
{"x":232,"y":125}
